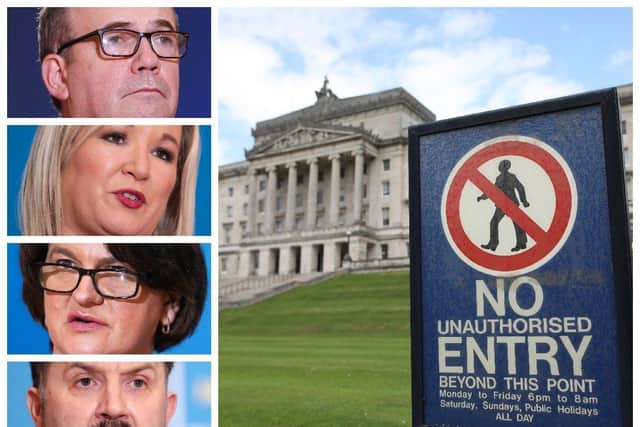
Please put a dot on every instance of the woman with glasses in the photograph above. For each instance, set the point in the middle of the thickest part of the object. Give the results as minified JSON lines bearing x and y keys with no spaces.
{"x":115,"y":298}
{"x":110,"y":180}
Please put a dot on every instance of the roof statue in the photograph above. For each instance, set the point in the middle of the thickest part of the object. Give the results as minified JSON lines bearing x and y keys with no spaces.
{"x":325,"y":92}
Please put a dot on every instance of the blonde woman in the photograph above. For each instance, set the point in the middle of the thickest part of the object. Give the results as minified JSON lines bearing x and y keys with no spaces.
{"x":110,"y":180}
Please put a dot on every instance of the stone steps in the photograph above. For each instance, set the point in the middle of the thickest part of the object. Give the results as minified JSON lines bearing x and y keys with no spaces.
{"x":249,"y":291}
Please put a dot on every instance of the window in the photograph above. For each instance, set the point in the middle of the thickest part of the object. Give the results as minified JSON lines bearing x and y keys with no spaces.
{"x":320,"y":176}
{"x":223,"y":263}
{"x":229,"y":211}
{"x":227,"y":234}
{"x":385,"y":217}
{"x":262,"y":184}
{"x":386,"y":164}
{"x":341,"y":172}
{"x":384,"y":251}
{"x":259,"y":227}
{"x":364,"y":191}
{"x":625,"y":157}
{"x":365,"y":168}
{"x":280,"y":183}
{"x":300,"y":179}
{"x":243,"y":227}
{"x":279,"y":204}
{"x":261,"y":205}
{"x":623,"y":127}
{"x":319,"y":220}
{"x":245,"y":209}
{"x":299,"y":222}
{"x":278,"y":224}
{"x":230,"y":191}
{"x":298,"y":200}
{"x":341,"y":195}
{"x":385,"y":188}
{"x":246,"y":189}
{"x":320,"y":197}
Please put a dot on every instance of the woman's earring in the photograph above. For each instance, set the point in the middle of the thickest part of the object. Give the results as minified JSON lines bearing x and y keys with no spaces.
{"x":166,"y":328}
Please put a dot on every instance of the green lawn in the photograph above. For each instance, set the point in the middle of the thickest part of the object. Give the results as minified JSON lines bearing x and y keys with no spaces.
{"x":332,"y":354}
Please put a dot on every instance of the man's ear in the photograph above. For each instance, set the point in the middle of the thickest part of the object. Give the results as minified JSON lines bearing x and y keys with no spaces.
{"x":54,"y":76}
{"x":172,"y":403}
{"x":35,"y":406}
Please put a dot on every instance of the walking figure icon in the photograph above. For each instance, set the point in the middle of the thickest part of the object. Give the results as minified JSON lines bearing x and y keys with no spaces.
{"x":509,"y":184}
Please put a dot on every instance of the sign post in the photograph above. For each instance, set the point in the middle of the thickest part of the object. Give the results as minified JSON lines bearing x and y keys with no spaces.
{"x":521,"y":267}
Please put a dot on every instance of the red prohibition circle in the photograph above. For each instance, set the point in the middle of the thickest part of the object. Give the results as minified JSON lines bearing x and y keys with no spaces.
{"x":546,"y":240}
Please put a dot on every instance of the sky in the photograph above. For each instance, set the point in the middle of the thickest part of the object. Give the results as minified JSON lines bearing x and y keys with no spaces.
{"x":455,"y":61}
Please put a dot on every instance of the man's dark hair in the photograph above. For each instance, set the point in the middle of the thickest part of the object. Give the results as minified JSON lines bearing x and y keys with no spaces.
{"x":178,"y":269}
{"x":39,"y":372}
{"x":52,"y":27}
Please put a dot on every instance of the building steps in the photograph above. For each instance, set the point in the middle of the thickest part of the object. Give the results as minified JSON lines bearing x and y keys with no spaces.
{"x":239,"y":293}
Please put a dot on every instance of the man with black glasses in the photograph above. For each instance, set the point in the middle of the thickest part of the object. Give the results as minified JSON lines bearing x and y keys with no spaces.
{"x":111,"y":62}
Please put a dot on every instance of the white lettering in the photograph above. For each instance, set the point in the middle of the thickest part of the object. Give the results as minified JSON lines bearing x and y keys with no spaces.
{"x":444,"y":354}
{"x":537,"y":292}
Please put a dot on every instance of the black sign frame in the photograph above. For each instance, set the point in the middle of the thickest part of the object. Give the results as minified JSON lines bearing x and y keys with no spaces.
{"x":607,"y":101}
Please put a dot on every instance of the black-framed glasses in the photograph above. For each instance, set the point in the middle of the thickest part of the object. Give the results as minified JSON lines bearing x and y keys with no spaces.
{"x":123,"y":43}
{"x":112,"y":282}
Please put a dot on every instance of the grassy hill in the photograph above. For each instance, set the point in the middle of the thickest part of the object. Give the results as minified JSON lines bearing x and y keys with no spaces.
{"x":332,"y":354}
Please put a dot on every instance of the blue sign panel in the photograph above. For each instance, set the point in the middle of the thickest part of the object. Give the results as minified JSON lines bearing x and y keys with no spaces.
{"x":521,"y":271}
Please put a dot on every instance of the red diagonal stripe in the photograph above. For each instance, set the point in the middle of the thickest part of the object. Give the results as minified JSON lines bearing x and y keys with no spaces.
{"x":512,"y":210}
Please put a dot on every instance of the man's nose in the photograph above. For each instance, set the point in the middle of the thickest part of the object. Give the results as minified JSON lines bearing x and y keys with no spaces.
{"x":137,"y":162}
{"x":112,"y":404}
{"x":145,"y":58}
{"x":86,"y":294}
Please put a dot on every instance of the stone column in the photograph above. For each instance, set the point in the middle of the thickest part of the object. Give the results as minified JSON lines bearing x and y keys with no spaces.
{"x":270,"y":200}
{"x":251,"y":211}
{"x":305,"y":259}
{"x":331,"y":257}
{"x":335,"y":189}
{"x":312,"y":193}
{"x":357,"y":184}
{"x":265,"y":262}
{"x":285,"y":260}
{"x":244,"y":264}
{"x":290,"y":214}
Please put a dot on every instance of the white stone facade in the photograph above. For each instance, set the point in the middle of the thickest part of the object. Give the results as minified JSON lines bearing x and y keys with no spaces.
{"x":321,"y":183}
{"x":625,"y":95}
{"x":329,"y":183}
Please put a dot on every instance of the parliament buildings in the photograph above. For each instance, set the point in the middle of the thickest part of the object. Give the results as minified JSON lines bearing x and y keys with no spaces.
{"x":326,"y":188}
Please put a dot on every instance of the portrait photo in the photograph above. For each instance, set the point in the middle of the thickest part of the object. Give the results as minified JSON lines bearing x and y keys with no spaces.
{"x":109,"y":62}
{"x":78,"y":394}
{"x":109,"y":180}
{"x":86,"y":298}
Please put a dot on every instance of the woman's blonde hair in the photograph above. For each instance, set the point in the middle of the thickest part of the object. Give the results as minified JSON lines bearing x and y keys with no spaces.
{"x":41,"y":191}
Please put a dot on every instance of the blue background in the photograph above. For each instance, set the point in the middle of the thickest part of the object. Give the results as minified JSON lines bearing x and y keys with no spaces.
{"x":578,"y":281}
{"x":19,"y":140}
{"x":26,"y":336}
{"x":28,"y":97}
{"x":193,"y":410}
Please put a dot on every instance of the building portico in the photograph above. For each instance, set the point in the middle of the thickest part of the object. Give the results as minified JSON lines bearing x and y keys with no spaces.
{"x":322,"y":185}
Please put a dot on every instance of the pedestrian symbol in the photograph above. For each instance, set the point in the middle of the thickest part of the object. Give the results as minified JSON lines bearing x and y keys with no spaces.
{"x":522,"y":179}
{"x":507,"y":183}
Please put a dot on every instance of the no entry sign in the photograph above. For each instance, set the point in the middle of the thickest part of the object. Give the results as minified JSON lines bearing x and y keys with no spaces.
{"x":521,"y":268}
{"x":550,"y":184}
